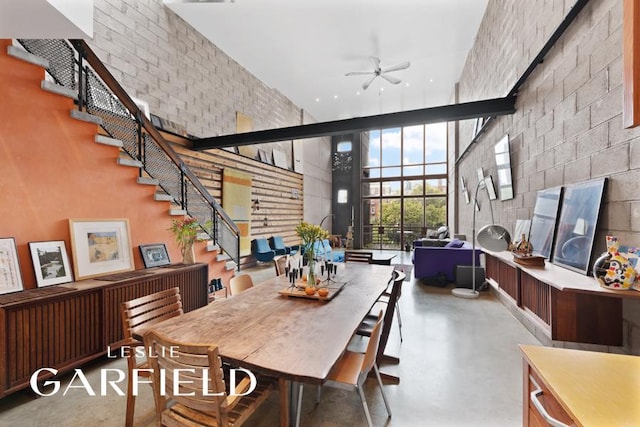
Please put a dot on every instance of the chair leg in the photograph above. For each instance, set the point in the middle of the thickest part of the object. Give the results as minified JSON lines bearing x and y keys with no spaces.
{"x":364,"y":406}
{"x":399,"y":320}
{"x":299,"y":405}
{"x":384,"y":396}
{"x":131,"y":398}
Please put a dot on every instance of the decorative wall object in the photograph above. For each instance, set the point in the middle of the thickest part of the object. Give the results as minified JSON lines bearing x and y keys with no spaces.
{"x":579,"y":212}
{"x":100,"y":246}
{"x":10,"y":277}
{"x":491,"y":190}
{"x":236,"y":200}
{"x":543,"y":222}
{"x":50,"y":263}
{"x":154,"y":255}
{"x":280,"y":159}
{"x":503,"y":163}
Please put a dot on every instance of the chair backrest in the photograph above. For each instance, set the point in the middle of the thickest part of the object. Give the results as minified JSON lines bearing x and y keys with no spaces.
{"x":372,"y":347}
{"x":150,"y":309}
{"x":240,"y":283}
{"x":279,"y":263}
{"x":262,"y":245}
{"x":193,"y":365}
{"x":358,"y":256}
{"x":277,"y":242}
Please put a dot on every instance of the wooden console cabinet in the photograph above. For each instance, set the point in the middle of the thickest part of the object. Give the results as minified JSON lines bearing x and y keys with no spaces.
{"x":63,"y":326}
{"x":579,"y":388}
{"x":565,"y":305}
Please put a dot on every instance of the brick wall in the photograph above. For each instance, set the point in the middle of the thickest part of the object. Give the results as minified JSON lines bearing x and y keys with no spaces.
{"x":568,"y":123}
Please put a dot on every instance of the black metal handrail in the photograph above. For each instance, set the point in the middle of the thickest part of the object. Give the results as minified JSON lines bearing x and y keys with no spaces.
{"x":100,"y":94}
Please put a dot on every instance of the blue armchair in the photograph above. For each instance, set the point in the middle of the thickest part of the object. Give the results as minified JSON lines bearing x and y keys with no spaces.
{"x":277,"y":244}
{"x":261,"y":250}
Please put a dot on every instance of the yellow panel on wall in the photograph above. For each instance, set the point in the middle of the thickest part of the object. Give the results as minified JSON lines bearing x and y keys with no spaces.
{"x":236,"y":201}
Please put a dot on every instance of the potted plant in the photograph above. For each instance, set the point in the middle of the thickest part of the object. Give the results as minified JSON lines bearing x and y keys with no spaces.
{"x":310,"y":233}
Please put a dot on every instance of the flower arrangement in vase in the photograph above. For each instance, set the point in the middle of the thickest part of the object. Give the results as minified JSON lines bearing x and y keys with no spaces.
{"x":310,"y":233}
{"x":186,"y":231}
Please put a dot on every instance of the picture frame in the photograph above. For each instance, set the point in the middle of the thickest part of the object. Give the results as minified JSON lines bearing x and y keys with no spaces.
{"x":154,"y":255}
{"x":262,"y":156}
{"x":10,"y":275}
{"x":100,"y":246}
{"x":579,"y":212}
{"x":50,"y":263}
{"x":544,"y":221}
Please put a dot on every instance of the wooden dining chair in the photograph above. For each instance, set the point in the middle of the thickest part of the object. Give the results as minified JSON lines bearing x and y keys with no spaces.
{"x":279,"y":263}
{"x":240,"y":283}
{"x":367,"y":324}
{"x":352,"y":369}
{"x":141,"y":313}
{"x":186,"y":368}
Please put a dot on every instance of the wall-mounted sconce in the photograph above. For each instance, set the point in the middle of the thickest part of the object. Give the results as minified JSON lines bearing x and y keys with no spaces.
{"x":255,"y":204}
{"x":265,"y":222}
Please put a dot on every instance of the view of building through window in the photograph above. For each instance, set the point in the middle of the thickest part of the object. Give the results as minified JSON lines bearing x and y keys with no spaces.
{"x":404,"y":191}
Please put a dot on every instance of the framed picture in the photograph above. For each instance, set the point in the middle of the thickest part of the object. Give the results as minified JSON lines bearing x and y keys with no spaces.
{"x":154,"y":255}
{"x":262,"y":156}
{"x":522,"y":228}
{"x":100,"y":247}
{"x":10,"y":277}
{"x":50,"y":263}
{"x":543,"y":222}
{"x":579,"y":212}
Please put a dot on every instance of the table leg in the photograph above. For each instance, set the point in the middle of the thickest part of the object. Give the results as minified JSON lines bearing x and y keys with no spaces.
{"x":284,"y":390}
{"x":296,"y":402}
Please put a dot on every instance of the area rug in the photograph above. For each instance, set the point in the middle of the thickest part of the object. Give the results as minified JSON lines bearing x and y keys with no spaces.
{"x":406,"y":269}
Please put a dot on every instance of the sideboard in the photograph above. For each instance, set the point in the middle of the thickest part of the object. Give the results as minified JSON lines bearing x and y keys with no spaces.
{"x":64,"y":326}
{"x":563,"y":304}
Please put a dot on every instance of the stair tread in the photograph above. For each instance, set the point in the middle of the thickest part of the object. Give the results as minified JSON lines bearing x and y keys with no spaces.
{"x":86,"y":117}
{"x":129,"y":162}
{"x":106,"y":140}
{"x":145,"y":180}
{"x":58,"y":89}
{"x":26,"y":56}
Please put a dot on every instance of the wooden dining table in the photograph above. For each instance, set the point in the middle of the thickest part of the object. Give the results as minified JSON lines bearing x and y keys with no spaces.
{"x":294,"y":339}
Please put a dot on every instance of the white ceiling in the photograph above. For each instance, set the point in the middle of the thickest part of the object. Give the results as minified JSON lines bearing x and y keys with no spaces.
{"x":47,"y":19}
{"x":303,"y":48}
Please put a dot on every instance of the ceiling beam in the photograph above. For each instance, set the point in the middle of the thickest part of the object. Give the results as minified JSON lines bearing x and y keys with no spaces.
{"x":444,"y":113}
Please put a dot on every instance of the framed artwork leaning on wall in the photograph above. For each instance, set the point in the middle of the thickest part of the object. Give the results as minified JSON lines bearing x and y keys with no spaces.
{"x":50,"y":263}
{"x":100,"y":246}
{"x":10,"y":277}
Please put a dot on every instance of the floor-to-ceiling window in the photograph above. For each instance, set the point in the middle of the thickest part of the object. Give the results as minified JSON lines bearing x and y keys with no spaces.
{"x":404,"y":194}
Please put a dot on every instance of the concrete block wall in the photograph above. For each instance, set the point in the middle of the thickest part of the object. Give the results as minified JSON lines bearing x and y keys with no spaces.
{"x":568,"y":123}
{"x":160,"y":59}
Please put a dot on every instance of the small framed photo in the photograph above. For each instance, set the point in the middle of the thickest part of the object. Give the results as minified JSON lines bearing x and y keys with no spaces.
{"x":491,"y":190}
{"x":100,"y":246}
{"x":154,"y":255}
{"x":50,"y":263}
{"x":10,"y":277}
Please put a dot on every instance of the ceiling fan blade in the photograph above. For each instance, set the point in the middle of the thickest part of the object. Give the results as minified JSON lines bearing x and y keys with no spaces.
{"x":391,"y":79}
{"x":398,"y":67}
{"x":375,"y":61}
{"x":368,"y":82}
{"x":359,"y":73}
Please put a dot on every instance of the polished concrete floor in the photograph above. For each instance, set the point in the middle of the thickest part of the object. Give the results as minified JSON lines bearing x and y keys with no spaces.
{"x":459,"y":366}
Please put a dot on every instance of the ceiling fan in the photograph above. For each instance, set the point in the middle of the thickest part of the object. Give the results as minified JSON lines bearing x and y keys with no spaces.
{"x":377,"y":71}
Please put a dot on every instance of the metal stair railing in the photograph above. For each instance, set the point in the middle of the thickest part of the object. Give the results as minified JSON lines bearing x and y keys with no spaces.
{"x":101,"y":95}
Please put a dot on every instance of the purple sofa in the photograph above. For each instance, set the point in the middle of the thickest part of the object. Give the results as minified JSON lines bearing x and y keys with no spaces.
{"x":429,"y":261}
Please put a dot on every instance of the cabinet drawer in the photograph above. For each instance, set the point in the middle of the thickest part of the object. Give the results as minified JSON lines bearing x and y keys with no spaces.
{"x":549,"y":403}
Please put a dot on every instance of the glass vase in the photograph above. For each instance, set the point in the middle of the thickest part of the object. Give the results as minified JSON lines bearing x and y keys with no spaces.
{"x":311,"y":265}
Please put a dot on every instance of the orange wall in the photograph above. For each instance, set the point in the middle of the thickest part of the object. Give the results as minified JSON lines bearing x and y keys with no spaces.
{"x":51,"y":170}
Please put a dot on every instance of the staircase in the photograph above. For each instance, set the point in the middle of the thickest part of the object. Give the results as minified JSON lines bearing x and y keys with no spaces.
{"x":102,"y":101}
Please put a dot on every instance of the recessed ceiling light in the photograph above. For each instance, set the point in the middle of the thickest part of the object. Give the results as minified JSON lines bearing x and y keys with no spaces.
{"x":317,"y":99}
{"x":381,"y":89}
{"x":430,"y":80}
{"x":335,"y":96}
{"x":358,"y":93}
{"x":407,"y":84}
